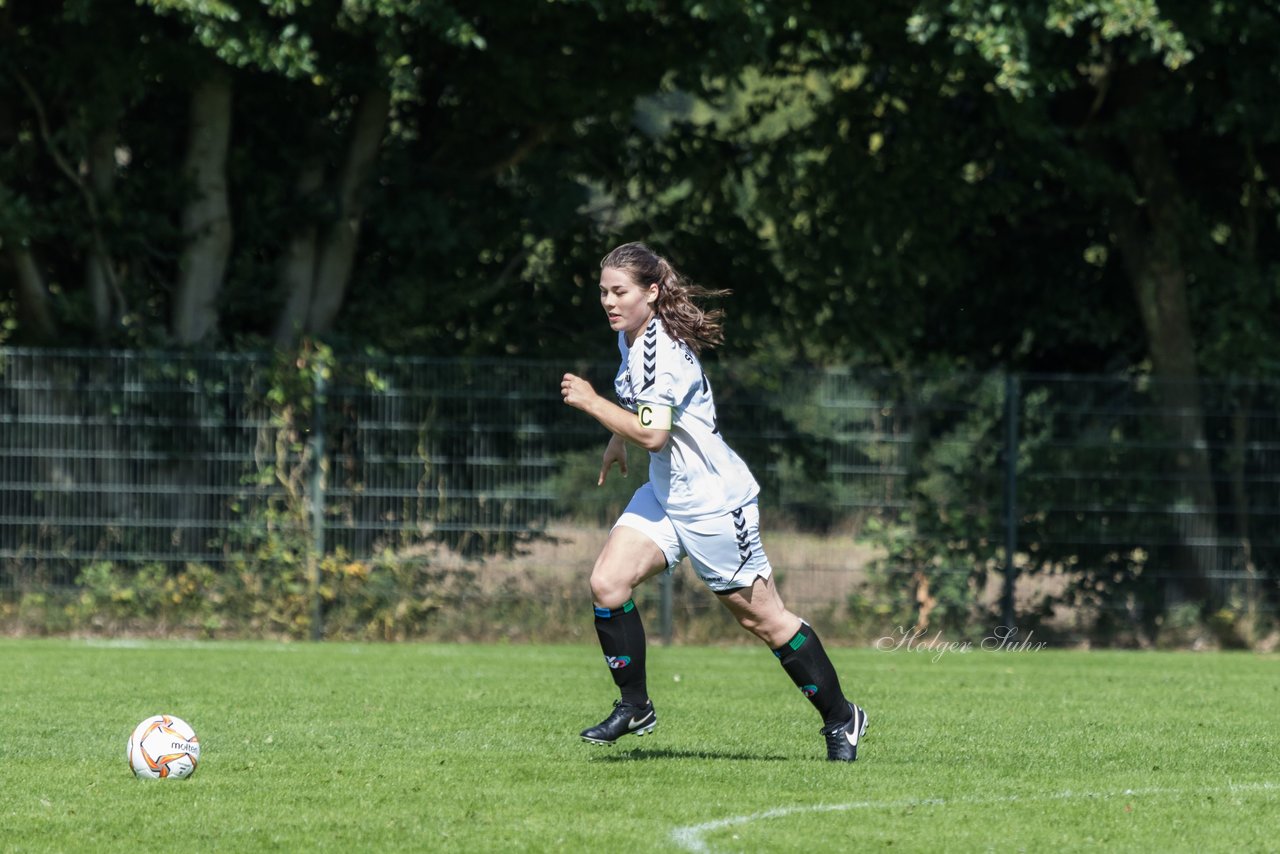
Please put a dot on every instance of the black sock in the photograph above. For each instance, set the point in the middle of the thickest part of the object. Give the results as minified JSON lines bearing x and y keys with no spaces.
{"x":809,"y":666}
{"x":622,"y":638}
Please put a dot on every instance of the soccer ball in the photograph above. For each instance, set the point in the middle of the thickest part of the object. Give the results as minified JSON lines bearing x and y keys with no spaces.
{"x":163,"y":747}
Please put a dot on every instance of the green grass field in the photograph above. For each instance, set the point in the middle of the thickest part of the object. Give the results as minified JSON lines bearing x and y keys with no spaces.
{"x":411,"y":747}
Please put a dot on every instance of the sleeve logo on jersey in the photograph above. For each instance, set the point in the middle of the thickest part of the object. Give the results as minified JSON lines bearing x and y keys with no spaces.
{"x":654,"y":416}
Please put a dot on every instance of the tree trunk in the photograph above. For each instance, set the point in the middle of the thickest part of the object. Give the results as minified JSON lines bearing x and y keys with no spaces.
{"x":298,"y":265}
{"x":33,"y":298}
{"x":1149,"y":242}
{"x":35,"y":317}
{"x":98,"y":280}
{"x":206,"y":221}
{"x":338,"y":252}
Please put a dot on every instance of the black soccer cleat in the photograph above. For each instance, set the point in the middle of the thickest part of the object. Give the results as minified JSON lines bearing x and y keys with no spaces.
{"x":626,"y":718}
{"x":842,"y":739}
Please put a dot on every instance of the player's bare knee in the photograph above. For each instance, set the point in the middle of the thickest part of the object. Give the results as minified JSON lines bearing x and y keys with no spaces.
{"x":774,"y":629}
{"x":752,"y":623}
{"x":608,"y":590}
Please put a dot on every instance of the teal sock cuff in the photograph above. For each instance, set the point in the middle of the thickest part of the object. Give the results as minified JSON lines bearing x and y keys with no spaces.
{"x":606,"y":613}
{"x":792,"y":645}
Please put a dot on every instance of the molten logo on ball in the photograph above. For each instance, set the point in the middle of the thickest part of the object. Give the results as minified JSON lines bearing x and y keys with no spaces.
{"x":163,"y":748}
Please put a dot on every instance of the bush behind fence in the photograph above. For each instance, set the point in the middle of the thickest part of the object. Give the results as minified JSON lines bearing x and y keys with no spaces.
{"x":370,"y":497}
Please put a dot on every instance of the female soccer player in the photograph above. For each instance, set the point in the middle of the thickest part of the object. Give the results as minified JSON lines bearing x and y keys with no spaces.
{"x":700,"y":500}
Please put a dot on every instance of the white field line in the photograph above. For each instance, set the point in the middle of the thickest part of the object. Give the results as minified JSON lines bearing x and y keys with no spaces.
{"x":690,"y":837}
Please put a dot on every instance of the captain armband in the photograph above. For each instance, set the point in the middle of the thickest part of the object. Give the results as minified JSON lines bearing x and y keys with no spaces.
{"x":655,"y":416}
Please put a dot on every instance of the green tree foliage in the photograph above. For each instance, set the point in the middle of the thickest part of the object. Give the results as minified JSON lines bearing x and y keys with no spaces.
{"x":481,"y":131}
{"x":864,"y":195}
{"x":923,"y":182}
{"x":1049,"y":186}
{"x":1163,"y":112}
{"x":1159,"y":117}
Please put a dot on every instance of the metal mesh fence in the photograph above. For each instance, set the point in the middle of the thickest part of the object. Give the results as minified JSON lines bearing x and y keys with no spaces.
{"x":1170,"y":488}
{"x":121,"y":456}
{"x":173,"y":458}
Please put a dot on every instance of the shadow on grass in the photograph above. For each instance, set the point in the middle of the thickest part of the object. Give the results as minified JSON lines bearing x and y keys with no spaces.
{"x":641,"y":754}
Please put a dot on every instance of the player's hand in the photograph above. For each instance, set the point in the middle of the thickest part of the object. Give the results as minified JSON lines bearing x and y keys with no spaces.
{"x":614,"y":452}
{"x":577,"y":392}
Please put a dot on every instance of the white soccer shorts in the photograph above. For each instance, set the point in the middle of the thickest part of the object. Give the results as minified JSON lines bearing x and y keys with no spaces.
{"x":725,"y":551}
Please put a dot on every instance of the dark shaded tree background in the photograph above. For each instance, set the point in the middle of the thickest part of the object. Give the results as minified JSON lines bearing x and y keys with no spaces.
{"x":935,"y":188}
{"x":1046,"y":186}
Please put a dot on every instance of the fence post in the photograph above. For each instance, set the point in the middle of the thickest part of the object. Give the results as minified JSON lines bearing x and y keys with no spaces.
{"x":317,"y":500}
{"x":666,"y":586}
{"x":1012,"y":399}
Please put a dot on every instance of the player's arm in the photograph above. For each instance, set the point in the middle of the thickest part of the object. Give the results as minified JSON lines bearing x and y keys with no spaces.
{"x":649,"y":428}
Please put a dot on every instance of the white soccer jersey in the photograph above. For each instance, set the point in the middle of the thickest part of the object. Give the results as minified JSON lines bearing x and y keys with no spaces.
{"x":696,"y":475}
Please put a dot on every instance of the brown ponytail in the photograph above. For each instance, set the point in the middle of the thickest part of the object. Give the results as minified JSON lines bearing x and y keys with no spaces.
{"x":677,"y":296}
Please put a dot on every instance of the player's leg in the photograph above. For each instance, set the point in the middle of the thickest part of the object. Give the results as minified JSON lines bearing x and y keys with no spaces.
{"x":748,"y":592}
{"x":759,"y":610}
{"x":628,"y":558}
{"x":641,"y":545}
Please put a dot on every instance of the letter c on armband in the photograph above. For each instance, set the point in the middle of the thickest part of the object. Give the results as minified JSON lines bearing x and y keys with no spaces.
{"x":654,"y":416}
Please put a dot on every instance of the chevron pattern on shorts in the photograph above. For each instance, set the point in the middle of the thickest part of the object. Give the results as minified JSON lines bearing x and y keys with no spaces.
{"x":744,"y":541}
{"x":743,"y":536}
